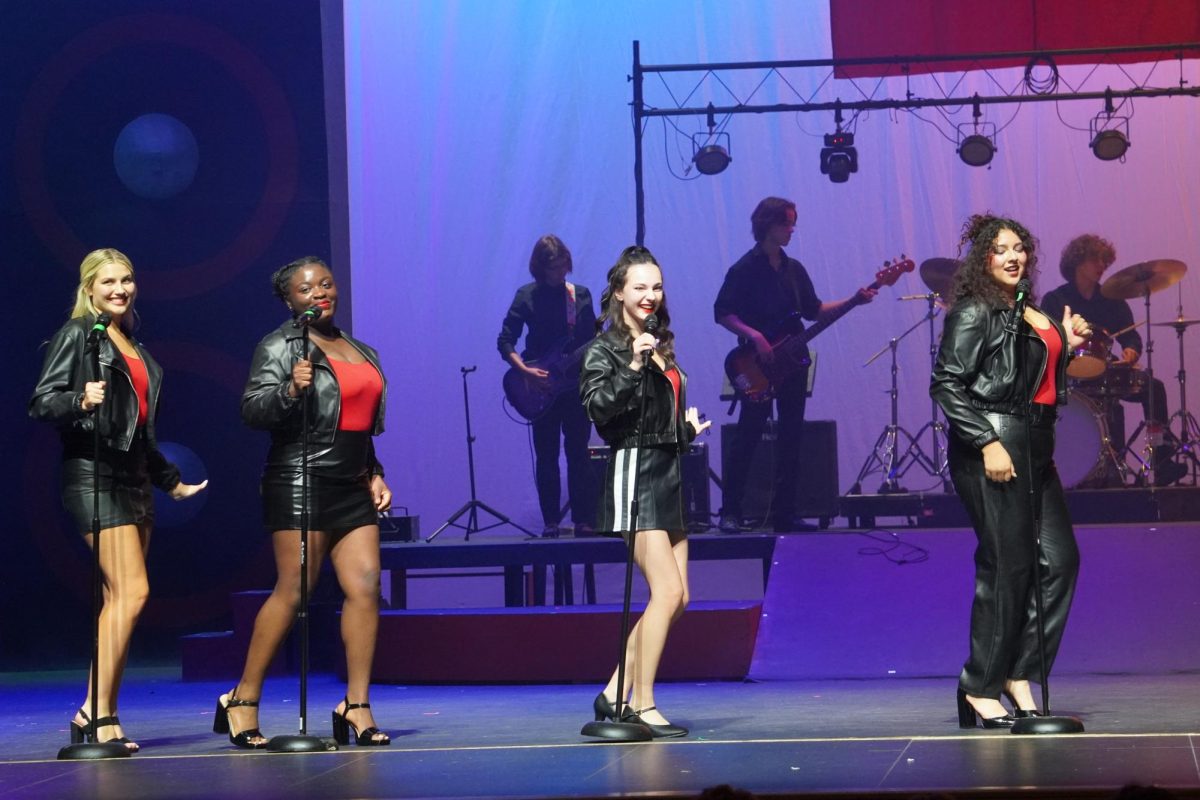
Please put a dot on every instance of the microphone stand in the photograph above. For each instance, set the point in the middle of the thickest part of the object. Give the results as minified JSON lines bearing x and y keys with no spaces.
{"x":619,"y":731}
{"x":93,"y":749}
{"x":1047,"y":723}
{"x":302,"y":742}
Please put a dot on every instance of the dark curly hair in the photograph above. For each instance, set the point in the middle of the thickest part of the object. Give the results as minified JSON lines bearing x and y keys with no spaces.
{"x":1085,"y":248}
{"x":974,"y":278}
{"x":546,"y":251}
{"x":612,"y":311}
{"x":281,"y":279}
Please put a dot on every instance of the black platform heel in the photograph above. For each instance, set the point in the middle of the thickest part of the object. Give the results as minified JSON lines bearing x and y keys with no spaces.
{"x":1021,"y":713}
{"x":221,"y":723}
{"x":364,"y":738}
{"x":86,"y":731}
{"x":657,"y":731}
{"x":967,"y":715}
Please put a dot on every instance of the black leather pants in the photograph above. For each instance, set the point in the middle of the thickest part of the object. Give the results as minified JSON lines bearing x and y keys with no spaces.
{"x":1004,"y":640}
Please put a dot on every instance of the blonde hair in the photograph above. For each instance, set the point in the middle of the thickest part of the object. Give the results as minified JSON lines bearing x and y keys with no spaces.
{"x":88,"y":270}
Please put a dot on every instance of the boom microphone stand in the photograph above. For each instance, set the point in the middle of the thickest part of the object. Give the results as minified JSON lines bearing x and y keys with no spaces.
{"x":1045,"y":723}
{"x":470,"y":508}
{"x":94,"y":749}
{"x":619,"y":731}
{"x":302,"y":742}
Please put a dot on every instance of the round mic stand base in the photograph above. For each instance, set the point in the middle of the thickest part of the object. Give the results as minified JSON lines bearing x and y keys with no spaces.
{"x":299,"y":743}
{"x":1034,"y":725}
{"x":617,"y":731}
{"x":88,"y":751}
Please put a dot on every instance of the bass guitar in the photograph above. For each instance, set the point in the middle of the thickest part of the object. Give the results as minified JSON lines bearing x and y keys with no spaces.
{"x":755,"y":379}
{"x":531,"y":396}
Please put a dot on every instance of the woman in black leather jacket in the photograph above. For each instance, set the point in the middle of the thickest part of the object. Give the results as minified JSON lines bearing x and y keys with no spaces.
{"x":619,"y":362}
{"x":124,"y":403}
{"x":996,"y":375}
{"x":344,"y":386}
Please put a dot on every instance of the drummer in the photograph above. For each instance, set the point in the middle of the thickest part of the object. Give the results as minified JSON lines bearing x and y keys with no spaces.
{"x":1083,"y":262}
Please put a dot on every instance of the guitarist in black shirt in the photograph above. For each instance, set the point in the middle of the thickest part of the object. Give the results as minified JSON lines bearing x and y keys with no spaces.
{"x":543,"y":384}
{"x":764,"y":292}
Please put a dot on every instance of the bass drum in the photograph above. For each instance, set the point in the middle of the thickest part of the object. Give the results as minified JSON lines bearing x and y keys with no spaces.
{"x":1080,"y":442}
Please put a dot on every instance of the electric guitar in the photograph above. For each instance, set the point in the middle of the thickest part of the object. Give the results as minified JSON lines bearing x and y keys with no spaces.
{"x":756,"y":380}
{"x":531,"y":396}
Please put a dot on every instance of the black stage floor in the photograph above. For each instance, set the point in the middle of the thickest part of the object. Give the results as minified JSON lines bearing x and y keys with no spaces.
{"x":845,"y":738}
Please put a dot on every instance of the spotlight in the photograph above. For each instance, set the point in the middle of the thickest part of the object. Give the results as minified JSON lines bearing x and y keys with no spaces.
{"x":838,"y":156}
{"x":976,"y":148}
{"x":1109,"y":145}
{"x":711,"y":158}
{"x":1108,"y":141}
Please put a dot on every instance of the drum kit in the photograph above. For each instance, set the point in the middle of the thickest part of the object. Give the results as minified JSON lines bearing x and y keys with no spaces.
{"x":1084,"y":454}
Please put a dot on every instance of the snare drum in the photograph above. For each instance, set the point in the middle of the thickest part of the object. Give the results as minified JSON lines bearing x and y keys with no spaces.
{"x":1091,"y":359}
{"x":1080,"y":441}
{"x":1124,"y":380}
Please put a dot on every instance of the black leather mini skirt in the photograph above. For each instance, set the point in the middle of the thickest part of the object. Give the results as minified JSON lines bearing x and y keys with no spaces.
{"x":339,"y":491}
{"x":126,"y":497}
{"x":660,"y":495}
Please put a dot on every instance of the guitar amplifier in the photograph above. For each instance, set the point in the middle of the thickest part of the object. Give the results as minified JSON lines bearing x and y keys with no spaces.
{"x":817,"y":479}
{"x":697,"y":504}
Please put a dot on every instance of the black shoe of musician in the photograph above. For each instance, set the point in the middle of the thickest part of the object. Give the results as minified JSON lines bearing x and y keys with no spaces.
{"x":550,"y":532}
{"x":583,"y":530}
{"x":1168,"y":472}
{"x":729,"y":524}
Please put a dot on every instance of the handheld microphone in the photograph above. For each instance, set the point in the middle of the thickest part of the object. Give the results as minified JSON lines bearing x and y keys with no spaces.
{"x":1024,"y":287}
{"x":649,"y":326}
{"x":103,"y":320}
{"x":308,"y":317}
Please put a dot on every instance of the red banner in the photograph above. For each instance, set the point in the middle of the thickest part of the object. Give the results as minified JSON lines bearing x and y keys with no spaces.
{"x":887,"y":28}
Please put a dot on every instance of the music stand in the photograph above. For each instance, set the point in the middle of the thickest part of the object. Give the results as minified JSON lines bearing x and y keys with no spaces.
{"x":472,"y":507}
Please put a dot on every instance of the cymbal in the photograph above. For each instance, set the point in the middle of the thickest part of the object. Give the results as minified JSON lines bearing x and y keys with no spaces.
{"x":938,"y":274}
{"x":1176,"y":323}
{"x":1144,"y":278}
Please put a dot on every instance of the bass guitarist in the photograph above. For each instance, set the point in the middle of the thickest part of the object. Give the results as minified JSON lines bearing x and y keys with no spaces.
{"x":561,"y":321}
{"x":762,"y":292}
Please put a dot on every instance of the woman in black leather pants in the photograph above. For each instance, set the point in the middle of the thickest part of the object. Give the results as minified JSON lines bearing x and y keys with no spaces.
{"x":124,"y":404}
{"x":989,"y":367}
{"x":343,"y":383}
{"x":614,"y":369}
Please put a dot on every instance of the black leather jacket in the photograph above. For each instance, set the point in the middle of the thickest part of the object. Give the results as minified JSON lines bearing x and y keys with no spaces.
{"x":266,"y":404}
{"x":608,"y":388}
{"x":59,"y":392}
{"x":976,"y":369}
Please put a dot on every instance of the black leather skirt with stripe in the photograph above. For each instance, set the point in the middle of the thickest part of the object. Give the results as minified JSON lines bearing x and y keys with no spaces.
{"x":660,"y":495}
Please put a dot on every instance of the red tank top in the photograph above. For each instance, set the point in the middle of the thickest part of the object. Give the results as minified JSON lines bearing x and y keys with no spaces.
{"x":673,"y":376}
{"x":141,"y":385}
{"x":361,"y":387}
{"x":1047,"y":391}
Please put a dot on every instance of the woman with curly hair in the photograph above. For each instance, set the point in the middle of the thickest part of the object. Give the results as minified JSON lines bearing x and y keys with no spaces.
{"x":999,"y":380}
{"x":621,"y":364}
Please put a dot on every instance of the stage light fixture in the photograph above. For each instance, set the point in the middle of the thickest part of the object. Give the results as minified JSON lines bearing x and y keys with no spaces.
{"x":838,"y":156}
{"x":977,"y":147}
{"x":1107,"y":139}
{"x":710,"y":157}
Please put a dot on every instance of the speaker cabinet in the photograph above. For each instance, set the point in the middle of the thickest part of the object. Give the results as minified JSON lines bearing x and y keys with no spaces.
{"x":816,"y":482}
{"x":697,"y":505}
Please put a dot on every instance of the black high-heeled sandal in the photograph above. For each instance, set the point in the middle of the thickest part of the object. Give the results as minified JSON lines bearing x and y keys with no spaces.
{"x":221,"y":723}
{"x":1018,"y":712}
{"x":657,"y":731}
{"x":86,"y":731}
{"x":967,"y":715}
{"x":364,"y":738}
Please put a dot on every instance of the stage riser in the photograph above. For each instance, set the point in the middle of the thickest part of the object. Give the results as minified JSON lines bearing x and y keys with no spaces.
{"x":1087,"y":507}
{"x":712,"y":641}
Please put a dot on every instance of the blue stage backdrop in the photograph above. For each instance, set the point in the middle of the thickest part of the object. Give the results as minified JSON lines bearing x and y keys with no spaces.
{"x":192,"y":137}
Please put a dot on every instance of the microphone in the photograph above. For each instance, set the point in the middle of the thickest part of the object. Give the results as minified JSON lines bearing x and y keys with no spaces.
{"x":103,"y":320}
{"x":1024,"y":287}
{"x":308,"y":317}
{"x":649,"y":326}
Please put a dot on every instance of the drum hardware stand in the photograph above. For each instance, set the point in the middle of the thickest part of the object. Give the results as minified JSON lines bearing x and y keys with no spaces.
{"x":1158,"y":432}
{"x":1189,"y":430}
{"x":884,"y":456}
{"x":471,"y":507}
{"x":939,"y":464}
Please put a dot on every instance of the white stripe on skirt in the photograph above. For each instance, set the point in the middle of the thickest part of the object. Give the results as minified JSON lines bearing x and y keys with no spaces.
{"x":623,"y":479}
